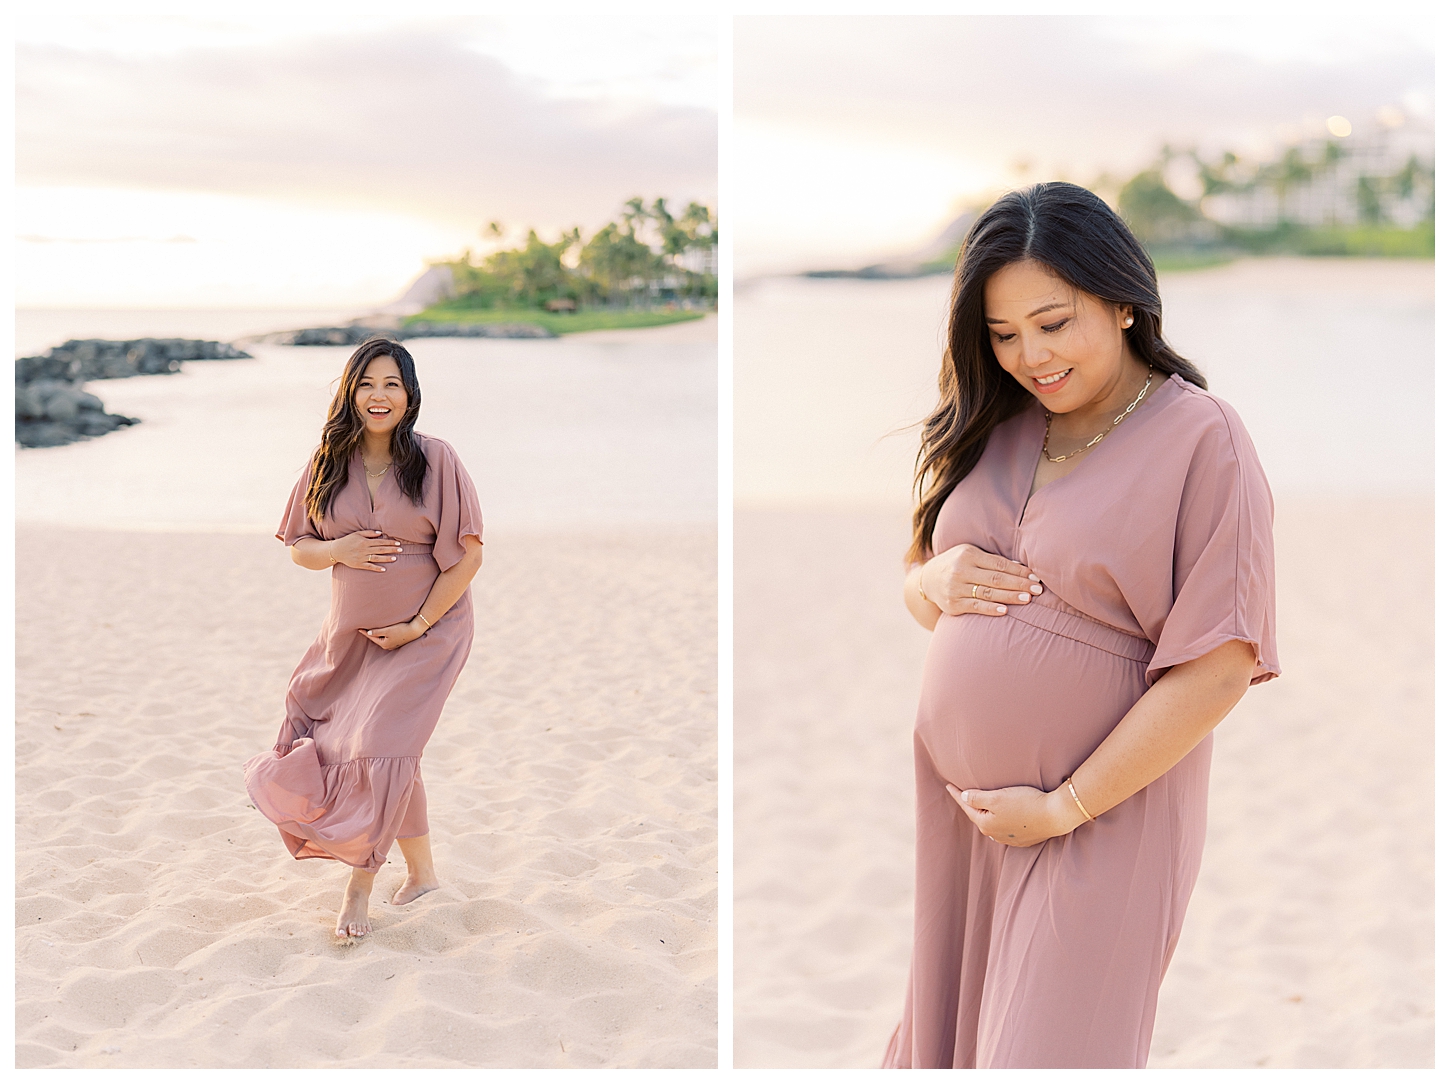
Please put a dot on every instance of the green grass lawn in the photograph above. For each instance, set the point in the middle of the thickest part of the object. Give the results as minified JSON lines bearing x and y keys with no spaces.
{"x":560,"y":323}
{"x":1167,"y":260}
{"x":1288,"y":239}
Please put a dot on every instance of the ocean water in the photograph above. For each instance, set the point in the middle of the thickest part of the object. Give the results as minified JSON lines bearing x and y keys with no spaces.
{"x":605,"y":429}
{"x":1330,"y":363}
{"x":37,"y":330}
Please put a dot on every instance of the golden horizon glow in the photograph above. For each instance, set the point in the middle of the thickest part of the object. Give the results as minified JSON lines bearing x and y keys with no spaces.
{"x":126,"y":248}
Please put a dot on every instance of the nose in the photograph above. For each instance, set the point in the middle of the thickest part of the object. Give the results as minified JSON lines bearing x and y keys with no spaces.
{"x":1036,"y":354}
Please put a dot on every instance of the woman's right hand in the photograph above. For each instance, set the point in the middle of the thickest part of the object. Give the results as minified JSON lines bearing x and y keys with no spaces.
{"x":948,"y":581}
{"x":365,"y":549}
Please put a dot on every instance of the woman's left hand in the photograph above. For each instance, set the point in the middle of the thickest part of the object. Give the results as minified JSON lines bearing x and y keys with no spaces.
{"x":1018,"y":816}
{"x":395,"y":636}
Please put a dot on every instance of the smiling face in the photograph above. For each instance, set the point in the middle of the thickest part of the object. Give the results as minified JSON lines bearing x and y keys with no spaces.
{"x":381,"y":399}
{"x":1066,"y":347}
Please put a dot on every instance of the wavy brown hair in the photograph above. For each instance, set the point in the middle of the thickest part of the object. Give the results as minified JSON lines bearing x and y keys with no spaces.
{"x":1079,"y":238}
{"x":343,"y":431}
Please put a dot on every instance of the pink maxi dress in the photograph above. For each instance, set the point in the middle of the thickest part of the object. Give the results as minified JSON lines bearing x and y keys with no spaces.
{"x":343,"y":779}
{"x":1155,"y":550}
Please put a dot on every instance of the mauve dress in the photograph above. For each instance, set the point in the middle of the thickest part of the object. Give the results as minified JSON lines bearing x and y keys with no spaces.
{"x":343,"y":779}
{"x":1157,"y":549}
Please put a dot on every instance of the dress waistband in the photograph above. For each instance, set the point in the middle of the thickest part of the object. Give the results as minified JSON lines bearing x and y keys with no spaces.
{"x":1083,"y":629}
{"x":416,"y":547}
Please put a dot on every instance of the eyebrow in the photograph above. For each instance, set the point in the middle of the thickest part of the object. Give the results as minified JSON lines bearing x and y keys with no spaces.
{"x":1035,"y":312}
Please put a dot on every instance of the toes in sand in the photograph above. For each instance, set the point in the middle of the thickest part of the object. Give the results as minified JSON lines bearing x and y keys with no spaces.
{"x":352,"y":918}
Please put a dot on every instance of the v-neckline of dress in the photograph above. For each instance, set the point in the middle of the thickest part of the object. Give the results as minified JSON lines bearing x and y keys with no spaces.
{"x":372,"y":497}
{"x":1040,"y":428}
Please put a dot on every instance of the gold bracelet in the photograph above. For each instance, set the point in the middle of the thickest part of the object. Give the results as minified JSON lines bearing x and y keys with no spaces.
{"x":920,"y":589}
{"x":331,"y":558}
{"x":420,"y":617}
{"x":1073,"y":791}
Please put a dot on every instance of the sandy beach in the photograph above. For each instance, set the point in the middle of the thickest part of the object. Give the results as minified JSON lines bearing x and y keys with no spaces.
{"x":571,"y":790}
{"x":1309,"y":939}
{"x":571,"y":780}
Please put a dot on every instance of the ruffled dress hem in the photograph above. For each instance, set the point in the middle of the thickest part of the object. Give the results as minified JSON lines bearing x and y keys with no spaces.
{"x":336,"y":811}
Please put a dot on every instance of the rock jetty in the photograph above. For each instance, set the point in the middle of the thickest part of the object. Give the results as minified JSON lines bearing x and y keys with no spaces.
{"x":51,"y":408}
{"x":356,"y":334}
{"x":426,"y":330}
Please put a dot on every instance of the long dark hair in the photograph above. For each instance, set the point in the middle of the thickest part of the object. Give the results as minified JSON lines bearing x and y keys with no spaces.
{"x":343,"y":431}
{"x":1076,"y":235}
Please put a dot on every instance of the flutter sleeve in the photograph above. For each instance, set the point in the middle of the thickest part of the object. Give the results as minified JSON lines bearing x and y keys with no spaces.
{"x":296,"y":523}
{"x":1223,"y":556}
{"x":459,"y":514}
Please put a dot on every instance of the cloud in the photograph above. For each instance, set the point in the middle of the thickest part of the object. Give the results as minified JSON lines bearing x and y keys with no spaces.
{"x":409,"y":121}
{"x":1075,"y":91}
{"x":41,"y":239}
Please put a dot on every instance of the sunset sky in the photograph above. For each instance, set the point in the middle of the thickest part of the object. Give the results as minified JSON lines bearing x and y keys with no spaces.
{"x":276,"y":154}
{"x":858,"y":137}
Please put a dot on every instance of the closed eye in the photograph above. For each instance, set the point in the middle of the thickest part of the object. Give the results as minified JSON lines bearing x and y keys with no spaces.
{"x":1049,"y":328}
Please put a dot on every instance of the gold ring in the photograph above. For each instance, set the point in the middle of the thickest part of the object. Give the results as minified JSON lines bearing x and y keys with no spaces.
{"x":974,"y":590}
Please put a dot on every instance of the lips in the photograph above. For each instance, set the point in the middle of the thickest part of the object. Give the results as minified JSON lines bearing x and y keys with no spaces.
{"x":380,"y":412}
{"x":1052,"y":381}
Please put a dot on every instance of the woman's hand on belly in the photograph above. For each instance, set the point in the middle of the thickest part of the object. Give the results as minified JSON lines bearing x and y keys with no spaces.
{"x":1019,"y":816}
{"x":370,"y":550}
{"x":395,"y":636}
{"x":967,"y":580}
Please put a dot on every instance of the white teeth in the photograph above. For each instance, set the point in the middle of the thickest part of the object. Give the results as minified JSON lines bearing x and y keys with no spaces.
{"x":1043,"y":381}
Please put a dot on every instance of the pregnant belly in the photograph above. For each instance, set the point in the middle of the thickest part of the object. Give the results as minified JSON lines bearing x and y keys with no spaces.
{"x":1022,"y":700}
{"x":368,"y":600}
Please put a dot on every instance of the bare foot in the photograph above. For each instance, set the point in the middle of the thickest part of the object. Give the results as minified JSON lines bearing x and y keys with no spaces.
{"x":414,"y":886}
{"x":352,"y":919}
{"x":419,"y":855}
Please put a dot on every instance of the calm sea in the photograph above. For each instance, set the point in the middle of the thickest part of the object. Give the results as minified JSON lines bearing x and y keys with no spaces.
{"x":1329,"y":362}
{"x":37,"y":330}
{"x":597,"y":430}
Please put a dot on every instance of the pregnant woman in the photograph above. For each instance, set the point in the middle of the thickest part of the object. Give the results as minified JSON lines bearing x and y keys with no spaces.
{"x":394,"y":516}
{"x":1093,"y":555}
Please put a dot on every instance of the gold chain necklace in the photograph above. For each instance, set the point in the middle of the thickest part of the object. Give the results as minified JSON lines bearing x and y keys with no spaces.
{"x":1064,"y":458}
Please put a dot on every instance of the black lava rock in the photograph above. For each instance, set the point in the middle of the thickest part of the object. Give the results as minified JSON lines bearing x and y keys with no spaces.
{"x":426,"y":330}
{"x":356,"y":335}
{"x":51,"y":408}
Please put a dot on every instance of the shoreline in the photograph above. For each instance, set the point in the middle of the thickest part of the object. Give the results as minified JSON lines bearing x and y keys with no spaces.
{"x":613,"y":428}
{"x":750,"y":279}
{"x":90,"y":323}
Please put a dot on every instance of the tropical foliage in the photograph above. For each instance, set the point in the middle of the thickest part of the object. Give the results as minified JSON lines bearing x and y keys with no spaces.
{"x":647,"y":257}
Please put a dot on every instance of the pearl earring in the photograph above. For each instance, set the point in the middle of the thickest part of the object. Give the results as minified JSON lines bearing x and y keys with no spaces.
{"x":1128,"y":323}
